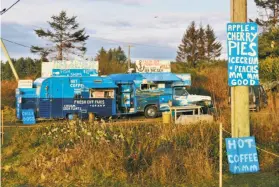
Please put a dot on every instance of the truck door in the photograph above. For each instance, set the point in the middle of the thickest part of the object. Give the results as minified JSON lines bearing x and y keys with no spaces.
{"x":179,"y":96}
{"x":45,"y":102}
{"x":126,"y":98}
{"x":56,"y":98}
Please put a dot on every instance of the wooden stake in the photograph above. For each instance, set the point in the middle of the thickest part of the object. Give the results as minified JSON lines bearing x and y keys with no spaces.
{"x":220,"y":155}
{"x":239,"y":94}
{"x":9,"y":59}
{"x":2,"y":127}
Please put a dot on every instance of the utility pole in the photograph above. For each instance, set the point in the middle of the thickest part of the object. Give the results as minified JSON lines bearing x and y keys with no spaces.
{"x":9,"y":59}
{"x":240,"y":118}
{"x":129,"y":56}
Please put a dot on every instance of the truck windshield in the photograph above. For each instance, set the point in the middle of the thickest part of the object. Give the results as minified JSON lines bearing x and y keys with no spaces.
{"x":180,"y":91}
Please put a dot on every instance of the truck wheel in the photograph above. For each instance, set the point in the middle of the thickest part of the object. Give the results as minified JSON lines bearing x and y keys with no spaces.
{"x":150,"y":112}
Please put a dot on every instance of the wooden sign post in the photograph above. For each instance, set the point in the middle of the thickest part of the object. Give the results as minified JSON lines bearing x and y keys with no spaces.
{"x":239,"y":94}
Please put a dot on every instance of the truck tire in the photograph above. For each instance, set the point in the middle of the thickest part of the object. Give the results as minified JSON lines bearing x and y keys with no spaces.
{"x":151,"y":111}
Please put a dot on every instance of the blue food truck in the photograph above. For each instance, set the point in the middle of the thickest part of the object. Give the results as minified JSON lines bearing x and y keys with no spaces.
{"x":64,"y":96}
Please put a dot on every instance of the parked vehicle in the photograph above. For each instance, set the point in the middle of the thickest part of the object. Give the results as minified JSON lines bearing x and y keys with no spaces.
{"x":113,"y":95}
{"x":62,"y":97}
{"x":152,"y":93}
{"x":257,"y":98}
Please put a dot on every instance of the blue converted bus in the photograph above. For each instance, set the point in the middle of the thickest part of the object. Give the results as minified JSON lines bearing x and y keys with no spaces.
{"x":152,"y":93}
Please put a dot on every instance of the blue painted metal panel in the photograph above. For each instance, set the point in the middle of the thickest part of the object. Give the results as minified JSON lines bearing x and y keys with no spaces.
{"x":126,"y":88}
{"x":160,"y":77}
{"x":242,"y":155}
{"x":126,"y":77}
{"x":164,"y":102}
{"x":243,"y":63}
{"x":126,"y":100}
{"x":44,"y":108}
{"x":72,"y":86}
{"x":53,"y":109}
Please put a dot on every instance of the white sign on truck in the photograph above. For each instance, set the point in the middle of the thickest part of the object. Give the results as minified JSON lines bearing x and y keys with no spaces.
{"x":48,"y":67}
{"x":153,"y":66}
{"x":25,"y":84}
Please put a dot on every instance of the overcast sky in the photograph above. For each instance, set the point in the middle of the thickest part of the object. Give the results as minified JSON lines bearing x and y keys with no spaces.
{"x":155,"y":27}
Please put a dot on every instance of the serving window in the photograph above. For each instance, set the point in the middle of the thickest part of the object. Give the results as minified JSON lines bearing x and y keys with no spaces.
{"x":148,"y":86}
{"x":99,"y":93}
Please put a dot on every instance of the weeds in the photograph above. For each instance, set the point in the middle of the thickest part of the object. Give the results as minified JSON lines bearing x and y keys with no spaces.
{"x":76,"y":152}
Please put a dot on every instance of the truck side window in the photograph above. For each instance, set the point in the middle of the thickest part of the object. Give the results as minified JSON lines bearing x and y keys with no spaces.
{"x":144,"y":87}
{"x":153,"y":86}
{"x":180,"y":91}
{"x":109,"y":94}
{"x":161,"y":85}
{"x":101,"y":93}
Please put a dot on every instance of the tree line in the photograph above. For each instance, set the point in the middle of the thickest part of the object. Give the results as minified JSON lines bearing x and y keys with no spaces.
{"x":198,"y":44}
{"x":25,"y":67}
{"x":111,"y":61}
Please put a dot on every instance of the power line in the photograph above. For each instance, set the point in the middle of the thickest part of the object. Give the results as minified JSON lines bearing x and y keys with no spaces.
{"x":5,"y":10}
{"x":22,"y":45}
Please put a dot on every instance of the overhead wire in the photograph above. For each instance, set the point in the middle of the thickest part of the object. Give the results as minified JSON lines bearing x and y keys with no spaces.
{"x":5,"y":10}
{"x":22,"y":45}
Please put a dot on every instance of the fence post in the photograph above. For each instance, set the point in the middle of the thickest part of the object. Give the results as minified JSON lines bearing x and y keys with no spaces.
{"x":2,"y":127}
{"x":220,"y":155}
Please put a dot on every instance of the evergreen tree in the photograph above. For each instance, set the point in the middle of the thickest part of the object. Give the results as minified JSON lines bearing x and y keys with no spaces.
{"x":270,"y":13}
{"x":197,"y":45}
{"x":109,"y":55}
{"x":25,"y":67}
{"x":213,"y":48}
{"x":65,"y":35}
{"x":269,"y":43}
{"x":111,"y":61}
{"x":188,"y":50}
{"x":201,"y":43}
{"x":103,"y":60}
{"x":120,"y":55}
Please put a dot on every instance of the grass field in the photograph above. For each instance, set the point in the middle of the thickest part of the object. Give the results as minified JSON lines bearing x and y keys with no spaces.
{"x":76,"y":153}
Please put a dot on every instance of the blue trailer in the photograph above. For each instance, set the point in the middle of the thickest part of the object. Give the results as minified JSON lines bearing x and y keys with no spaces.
{"x":62,"y":97}
{"x":152,"y":93}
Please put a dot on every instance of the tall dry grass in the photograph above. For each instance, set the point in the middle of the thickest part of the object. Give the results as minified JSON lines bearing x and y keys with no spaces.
{"x":125,"y":155}
{"x":80,"y":153}
{"x":8,"y":92}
